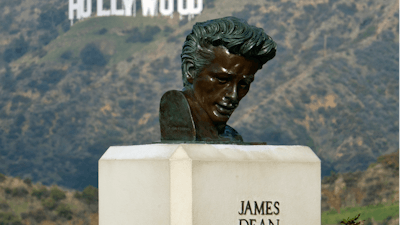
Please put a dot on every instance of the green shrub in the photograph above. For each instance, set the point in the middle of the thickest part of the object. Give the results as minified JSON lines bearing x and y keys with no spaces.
{"x":19,"y":192}
{"x":28,"y":181}
{"x":49,"y":203}
{"x":7,"y":218}
{"x":78,"y":195}
{"x":16,"y":49}
{"x":57,"y":194}
{"x":2,"y":177}
{"x":92,"y":56}
{"x":38,"y":215}
{"x":24,"y":215}
{"x":351,"y":221}
{"x":4,"y":206}
{"x":39,"y":193}
{"x":7,"y":190}
{"x":63,"y":210}
{"x":90,"y":195}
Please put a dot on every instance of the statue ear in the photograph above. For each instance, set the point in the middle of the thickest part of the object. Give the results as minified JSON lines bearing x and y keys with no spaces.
{"x":190,"y":72}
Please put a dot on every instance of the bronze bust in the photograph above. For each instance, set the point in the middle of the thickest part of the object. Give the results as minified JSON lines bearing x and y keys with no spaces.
{"x":219,"y":60}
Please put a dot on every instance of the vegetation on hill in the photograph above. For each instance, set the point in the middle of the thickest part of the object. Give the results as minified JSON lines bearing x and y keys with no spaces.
{"x":373,"y":193}
{"x":68,"y":93}
{"x":22,"y":202}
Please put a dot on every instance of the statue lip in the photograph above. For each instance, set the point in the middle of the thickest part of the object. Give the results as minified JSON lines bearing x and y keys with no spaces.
{"x":228,"y":105}
{"x":225,"y":108}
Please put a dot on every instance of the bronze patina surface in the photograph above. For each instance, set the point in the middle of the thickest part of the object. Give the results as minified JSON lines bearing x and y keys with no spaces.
{"x":219,"y":61}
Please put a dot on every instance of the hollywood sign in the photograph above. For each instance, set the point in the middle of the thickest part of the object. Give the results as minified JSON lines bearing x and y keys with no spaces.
{"x":149,"y":7}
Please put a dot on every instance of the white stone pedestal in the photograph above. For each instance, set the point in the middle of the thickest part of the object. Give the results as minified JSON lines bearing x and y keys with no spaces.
{"x":201,"y":184}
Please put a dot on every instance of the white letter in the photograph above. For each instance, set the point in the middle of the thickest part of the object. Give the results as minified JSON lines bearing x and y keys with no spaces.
{"x":88,"y":12}
{"x":100,"y":11}
{"x":149,"y":5}
{"x":190,"y":9}
{"x":199,"y":7}
{"x":114,"y":10}
{"x":71,"y":7}
{"x":128,"y":7}
{"x":183,"y":11}
{"x":169,"y":11}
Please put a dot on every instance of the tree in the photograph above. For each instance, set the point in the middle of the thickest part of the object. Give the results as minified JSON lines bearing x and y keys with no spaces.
{"x":92,"y":56}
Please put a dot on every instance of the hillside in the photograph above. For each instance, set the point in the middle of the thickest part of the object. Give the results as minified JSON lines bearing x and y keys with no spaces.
{"x":373,"y":193}
{"x":360,"y":192}
{"x":22,"y":202}
{"x":68,"y":93}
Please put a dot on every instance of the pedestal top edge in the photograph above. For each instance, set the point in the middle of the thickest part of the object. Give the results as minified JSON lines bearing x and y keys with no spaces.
{"x":213,"y":152}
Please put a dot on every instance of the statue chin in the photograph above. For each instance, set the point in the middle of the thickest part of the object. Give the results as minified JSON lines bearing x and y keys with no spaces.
{"x":182,"y":119}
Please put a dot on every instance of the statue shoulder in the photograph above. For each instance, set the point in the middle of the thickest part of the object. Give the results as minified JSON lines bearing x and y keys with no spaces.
{"x":176,"y":122}
{"x":232,"y":134}
{"x":172,"y":95}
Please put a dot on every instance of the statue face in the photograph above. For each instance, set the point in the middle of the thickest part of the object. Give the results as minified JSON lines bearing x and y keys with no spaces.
{"x":220,"y":86}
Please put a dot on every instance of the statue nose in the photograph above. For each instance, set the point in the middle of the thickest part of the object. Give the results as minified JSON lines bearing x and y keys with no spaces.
{"x":232,"y":95}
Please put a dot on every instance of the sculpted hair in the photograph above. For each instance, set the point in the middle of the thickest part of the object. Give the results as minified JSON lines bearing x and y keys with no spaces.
{"x":231,"y":33}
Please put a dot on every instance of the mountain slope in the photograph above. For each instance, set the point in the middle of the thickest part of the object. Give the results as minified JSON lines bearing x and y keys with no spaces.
{"x":68,"y":93}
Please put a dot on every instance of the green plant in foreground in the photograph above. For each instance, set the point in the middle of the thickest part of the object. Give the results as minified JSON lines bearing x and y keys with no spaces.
{"x":378,"y":212}
{"x":351,"y":221}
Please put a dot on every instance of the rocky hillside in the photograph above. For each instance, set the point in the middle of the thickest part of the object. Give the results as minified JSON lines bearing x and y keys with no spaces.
{"x":25,"y":203}
{"x":379,"y":184}
{"x":68,"y":93}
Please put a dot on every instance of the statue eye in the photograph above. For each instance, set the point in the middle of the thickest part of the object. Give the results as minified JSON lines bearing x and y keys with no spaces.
{"x":244,"y":84}
{"x":222,"y":80}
